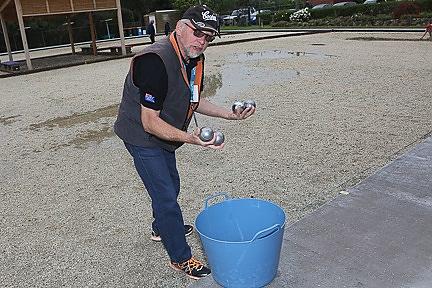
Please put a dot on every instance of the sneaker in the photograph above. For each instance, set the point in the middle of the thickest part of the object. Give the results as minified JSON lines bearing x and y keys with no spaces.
{"x":192,"y":267}
{"x":156,"y":237}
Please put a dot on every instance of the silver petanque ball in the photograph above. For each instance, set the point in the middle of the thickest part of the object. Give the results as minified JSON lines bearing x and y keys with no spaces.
{"x":249,"y":103}
{"x":220,"y":138}
{"x":238,"y":106}
{"x":206,"y":134}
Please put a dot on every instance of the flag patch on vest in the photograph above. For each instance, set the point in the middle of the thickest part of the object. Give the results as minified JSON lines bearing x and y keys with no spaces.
{"x":149,"y":98}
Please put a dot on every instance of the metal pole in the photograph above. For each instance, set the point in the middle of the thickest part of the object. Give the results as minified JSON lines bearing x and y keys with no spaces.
{"x":108,"y":31}
{"x":70,"y":32}
{"x":43,"y":39}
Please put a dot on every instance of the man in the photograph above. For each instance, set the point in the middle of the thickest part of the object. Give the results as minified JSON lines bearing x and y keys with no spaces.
{"x":161,"y":93}
{"x":428,"y":29}
{"x":151,"y":31}
{"x":167,"y":28}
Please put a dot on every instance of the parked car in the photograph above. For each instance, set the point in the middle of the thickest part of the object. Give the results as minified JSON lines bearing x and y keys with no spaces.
{"x":229,"y":20}
{"x":321,"y":6}
{"x":264,"y":11}
{"x":373,"y":1}
{"x":344,"y":4}
{"x":253,"y":15}
{"x":241,"y":16}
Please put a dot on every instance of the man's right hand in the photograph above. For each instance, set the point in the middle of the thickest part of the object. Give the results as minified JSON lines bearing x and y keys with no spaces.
{"x":208,"y":144}
{"x":153,"y":124}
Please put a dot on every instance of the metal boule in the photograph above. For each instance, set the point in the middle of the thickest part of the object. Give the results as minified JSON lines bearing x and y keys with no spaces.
{"x":238,"y":106}
{"x":206,"y":134}
{"x":249,"y":103}
{"x":220,"y":138}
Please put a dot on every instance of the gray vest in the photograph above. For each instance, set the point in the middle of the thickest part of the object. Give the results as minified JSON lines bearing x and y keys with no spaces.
{"x":175,"y":107}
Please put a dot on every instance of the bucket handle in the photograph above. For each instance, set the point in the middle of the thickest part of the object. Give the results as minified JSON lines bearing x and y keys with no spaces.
{"x":214,"y":196}
{"x":266,"y":232}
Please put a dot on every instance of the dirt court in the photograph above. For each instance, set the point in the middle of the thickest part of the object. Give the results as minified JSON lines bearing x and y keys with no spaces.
{"x":73,"y":211}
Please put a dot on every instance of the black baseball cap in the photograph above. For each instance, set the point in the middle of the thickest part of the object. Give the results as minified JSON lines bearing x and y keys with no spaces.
{"x":203,"y":18}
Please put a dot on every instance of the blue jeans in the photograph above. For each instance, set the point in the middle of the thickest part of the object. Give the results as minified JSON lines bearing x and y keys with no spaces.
{"x":158,"y":171}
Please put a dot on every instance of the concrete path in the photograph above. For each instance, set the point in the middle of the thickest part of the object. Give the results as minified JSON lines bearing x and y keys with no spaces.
{"x":377,"y":235}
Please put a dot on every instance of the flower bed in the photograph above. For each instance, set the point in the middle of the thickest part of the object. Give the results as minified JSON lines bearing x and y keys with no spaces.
{"x":403,"y":13}
{"x":358,"y":20}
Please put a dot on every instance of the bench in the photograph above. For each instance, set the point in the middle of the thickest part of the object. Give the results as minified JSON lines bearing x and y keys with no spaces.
{"x":114,"y":50}
{"x":10,"y":66}
{"x":87,"y":50}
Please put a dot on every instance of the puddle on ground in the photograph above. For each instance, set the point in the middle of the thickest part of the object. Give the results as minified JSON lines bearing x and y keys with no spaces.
{"x":78,"y":118}
{"x":8,"y":120}
{"x":91,"y":136}
{"x":82,"y":140}
{"x":251,"y":71}
{"x":212,"y":83}
{"x":279,"y":54}
{"x":381,"y":39}
{"x":254,"y":70}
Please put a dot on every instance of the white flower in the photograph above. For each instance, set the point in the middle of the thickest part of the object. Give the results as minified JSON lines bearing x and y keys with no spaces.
{"x":302,"y":15}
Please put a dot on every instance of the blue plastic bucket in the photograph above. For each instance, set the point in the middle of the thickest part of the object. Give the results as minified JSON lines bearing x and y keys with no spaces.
{"x":242,"y":239}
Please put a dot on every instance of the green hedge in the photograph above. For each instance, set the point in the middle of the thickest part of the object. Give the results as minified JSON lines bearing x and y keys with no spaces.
{"x":369,"y":9}
{"x":265,"y":18}
{"x":425,"y":5}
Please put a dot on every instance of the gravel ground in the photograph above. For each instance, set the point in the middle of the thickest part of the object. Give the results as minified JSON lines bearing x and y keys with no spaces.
{"x":73,"y":212}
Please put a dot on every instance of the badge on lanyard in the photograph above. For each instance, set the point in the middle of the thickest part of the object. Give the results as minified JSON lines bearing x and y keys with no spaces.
{"x":193,"y":88}
{"x":195,"y":94}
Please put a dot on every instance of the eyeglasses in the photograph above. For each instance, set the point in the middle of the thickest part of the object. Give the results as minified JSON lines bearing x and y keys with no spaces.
{"x":199,"y":34}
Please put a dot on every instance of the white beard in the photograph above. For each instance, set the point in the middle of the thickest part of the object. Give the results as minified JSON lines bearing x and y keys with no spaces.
{"x":191,"y":54}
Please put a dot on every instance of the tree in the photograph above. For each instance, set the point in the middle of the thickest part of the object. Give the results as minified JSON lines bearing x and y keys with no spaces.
{"x":183,"y":5}
{"x":219,"y":6}
{"x":142,"y":7}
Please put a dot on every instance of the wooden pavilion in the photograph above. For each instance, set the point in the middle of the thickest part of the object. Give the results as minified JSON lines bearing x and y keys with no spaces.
{"x":17,"y":10}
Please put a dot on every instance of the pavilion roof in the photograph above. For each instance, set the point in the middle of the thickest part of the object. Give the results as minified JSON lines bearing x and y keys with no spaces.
{"x":53,"y":7}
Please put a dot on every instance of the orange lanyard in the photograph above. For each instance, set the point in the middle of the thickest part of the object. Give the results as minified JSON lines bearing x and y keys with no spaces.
{"x":198,"y":73}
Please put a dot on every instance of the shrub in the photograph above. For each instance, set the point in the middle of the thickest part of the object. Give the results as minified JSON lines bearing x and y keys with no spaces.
{"x":348,"y":10}
{"x":322,"y":13}
{"x":426,"y":15}
{"x":425,"y":5}
{"x":282,"y":15}
{"x":406,"y":8}
{"x":370,"y":9}
{"x":265,"y":18}
{"x":280,"y":24}
{"x":380,"y":8}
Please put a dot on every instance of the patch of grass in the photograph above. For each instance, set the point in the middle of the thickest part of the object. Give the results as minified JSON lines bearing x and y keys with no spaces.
{"x":250,"y":27}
